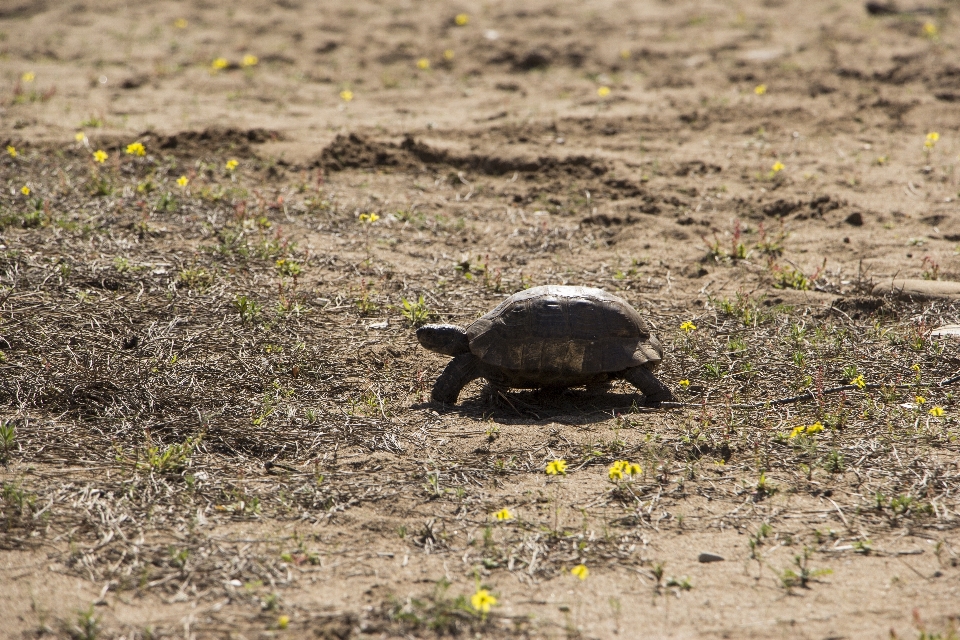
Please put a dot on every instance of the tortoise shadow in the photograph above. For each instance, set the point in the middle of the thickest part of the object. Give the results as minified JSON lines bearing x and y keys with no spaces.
{"x":570,"y":406}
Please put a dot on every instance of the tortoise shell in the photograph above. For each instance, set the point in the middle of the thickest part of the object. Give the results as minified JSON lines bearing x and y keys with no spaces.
{"x":565,"y":330}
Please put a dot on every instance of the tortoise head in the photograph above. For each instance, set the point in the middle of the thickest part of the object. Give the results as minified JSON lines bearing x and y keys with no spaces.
{"x":444,"y":338}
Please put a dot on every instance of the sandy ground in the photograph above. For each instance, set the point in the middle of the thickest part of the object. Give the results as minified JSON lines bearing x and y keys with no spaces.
{"x":752,"y":167}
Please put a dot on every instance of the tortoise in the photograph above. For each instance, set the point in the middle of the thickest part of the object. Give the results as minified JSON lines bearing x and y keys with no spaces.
{"x":550,"y":337}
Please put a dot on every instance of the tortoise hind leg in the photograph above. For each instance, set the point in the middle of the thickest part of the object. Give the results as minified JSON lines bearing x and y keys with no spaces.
{"x":653,"y":390}
{"x":461,"y":371}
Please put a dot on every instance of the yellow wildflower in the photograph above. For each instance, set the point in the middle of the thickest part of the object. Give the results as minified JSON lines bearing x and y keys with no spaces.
{"x":369,"y":218}
{"x":346,"y":95}
{"x":760,"y":89}
{"x":859,"y":382}
{"x":603,"y":92}
{"x":183,"y":181}
{"x":930,"y":30}
{"x":100,"y":156}
{"x":136,"y":149}
{"x":482,"y":601}
{"x":936,"y":412}
{"x":25,"y":190}
{"x":557,"y":467}
{"x":684,"y":383}
{"x":777,"y":167}
{"x":250,"y":60}
{"x":12,"y":150}
{"x":504,"y":514}
{"x":423,"y":64}
{"x":219,"y":64}
{"x":687,"y":326}
{"x":625,"y":54}
{"x":29,"y":76}
{"x":448,"y":54}
{"x":283,"y":621}
{"x":919,"y":399}
{"x":180,"y":23}
{"x":621,"y":467}
{"x":580,"y":571}
{"x":232,"y":164}
{"x":806,"y":430}
{"x":80,"y":137}
{"x":931,"y":140}
{"x":916,"y":367}
{"x":461,"y":19}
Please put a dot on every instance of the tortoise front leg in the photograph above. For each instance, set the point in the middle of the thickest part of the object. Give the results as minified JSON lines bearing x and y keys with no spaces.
{"x":653,"y":390}
{"x":461,"y":371}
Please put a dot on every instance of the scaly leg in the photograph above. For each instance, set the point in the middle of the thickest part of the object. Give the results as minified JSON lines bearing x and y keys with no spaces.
{"x":462,"y":370}
{"x":653,"y":390}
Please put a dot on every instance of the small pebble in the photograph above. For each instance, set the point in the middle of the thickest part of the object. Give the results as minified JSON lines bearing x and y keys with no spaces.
{"x":709,"y":557}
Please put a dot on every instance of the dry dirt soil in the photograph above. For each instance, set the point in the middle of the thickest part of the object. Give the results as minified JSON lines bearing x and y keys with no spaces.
{"x":214,"y":414}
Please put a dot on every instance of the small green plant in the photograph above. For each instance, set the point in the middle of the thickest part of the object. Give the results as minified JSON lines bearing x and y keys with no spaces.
{"x":86,"y":626}
{"x":178,"y":557}
{"x":247,"y":308}
{"x":99,"y":185}
{"x":850,"y":372}
{"x":681,"y":583}
{"x":167,"y":202}
{"x":417,"y":312}
{"x":657,"y":571}
{"x":443,"y":615}
{"x":834,"y":462}
{"x":714,"y":370}
{"x":918,"y":336}
{"x":166,"y":459}
{"x":289,"y":268}
{"x":270,"y":602}
{"x":756,"y":540}
{"x":239,"y":503}
{"x":764,"y":488}
{"x":714,"y":249}
{"x":495,"y":282}
{"x":736,"y":345}
{"x":803,"y":575}
{"x":8,"y":438}
{"x":365,"y":305}
{"x":771,"y":245}
{"x":931,"y":270}
{"x":789,"y":278}
{"x":433,"y":484}
{"x":197,"y":278}
{"x":15,"y":496}
{"x":468,"y":270}
{"x":901,"y":504}
{"x":743,"y":306}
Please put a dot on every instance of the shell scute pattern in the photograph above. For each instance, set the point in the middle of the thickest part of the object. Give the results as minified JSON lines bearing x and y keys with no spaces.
{"x":563,"y":330}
